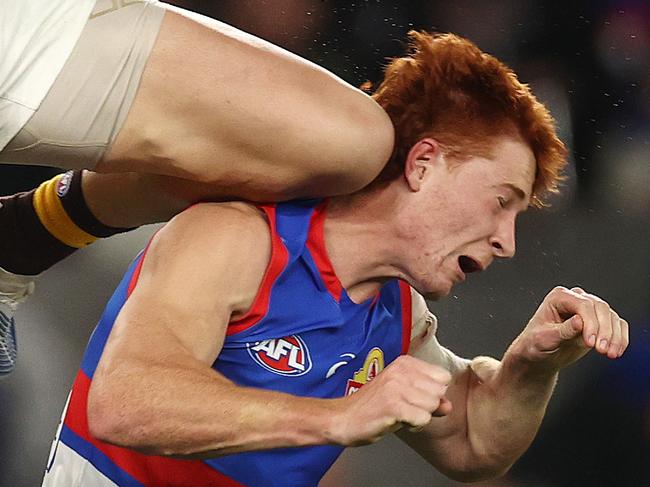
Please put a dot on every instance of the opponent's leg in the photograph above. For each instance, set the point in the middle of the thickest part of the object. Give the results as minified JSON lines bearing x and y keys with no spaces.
{"x":72,"y":210}
{"x":68,"y":212}
{"x":47,"y":224}
{"x":40,"y":227}
{"x":218,"y":105}
{"x":154,"y":89}
{"x":144,"y":198}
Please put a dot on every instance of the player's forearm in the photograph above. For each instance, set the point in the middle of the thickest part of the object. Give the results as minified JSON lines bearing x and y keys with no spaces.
{"x":496,"y":412}
{"x":195,"y":412}
{"x":506,"y":403}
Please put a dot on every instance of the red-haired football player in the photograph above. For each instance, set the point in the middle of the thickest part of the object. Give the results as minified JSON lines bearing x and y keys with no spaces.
{"x":256,"y":342}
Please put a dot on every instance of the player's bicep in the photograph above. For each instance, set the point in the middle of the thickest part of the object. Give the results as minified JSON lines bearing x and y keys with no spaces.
{"x":200,"y":270}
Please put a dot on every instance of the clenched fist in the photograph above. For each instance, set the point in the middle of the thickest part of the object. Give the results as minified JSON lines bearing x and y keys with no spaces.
{"x":407,"y":393}
{"x":567,"y":324}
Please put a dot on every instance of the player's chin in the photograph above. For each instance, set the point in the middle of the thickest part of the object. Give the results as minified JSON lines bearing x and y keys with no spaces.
{"x":432,"y":290}
{"x":439,"y":292}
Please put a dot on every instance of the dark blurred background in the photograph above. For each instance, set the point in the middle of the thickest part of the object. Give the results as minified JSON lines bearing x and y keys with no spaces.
{"x":590,"y":62}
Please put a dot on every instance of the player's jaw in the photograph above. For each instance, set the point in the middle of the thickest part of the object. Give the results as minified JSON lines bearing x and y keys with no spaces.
{"x":453,"y":270}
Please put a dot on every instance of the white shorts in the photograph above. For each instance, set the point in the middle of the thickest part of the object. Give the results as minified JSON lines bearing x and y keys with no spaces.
{"x":36,"y":38}
{"x":79,"y":114}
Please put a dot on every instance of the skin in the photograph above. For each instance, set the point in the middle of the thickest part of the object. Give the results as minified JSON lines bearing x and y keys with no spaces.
{"x":252,"y":121}
{"x":471,"y":425}
{"x":465,"y":217}
{"x":144,"y":198}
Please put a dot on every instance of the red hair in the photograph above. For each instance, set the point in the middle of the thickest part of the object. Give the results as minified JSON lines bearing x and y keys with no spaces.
{"x":448,"y":89}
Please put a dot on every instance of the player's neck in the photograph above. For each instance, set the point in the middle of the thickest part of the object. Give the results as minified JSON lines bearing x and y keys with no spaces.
{"x":361,"y":242}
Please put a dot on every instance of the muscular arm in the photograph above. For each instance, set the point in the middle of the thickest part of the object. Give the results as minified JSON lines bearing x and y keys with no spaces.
{"x":498,"y":406}
{"x":154,"y":389}
{"x":495,"y":415}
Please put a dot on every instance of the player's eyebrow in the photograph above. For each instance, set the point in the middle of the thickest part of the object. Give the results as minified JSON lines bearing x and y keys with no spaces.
{"x":521,"y":194}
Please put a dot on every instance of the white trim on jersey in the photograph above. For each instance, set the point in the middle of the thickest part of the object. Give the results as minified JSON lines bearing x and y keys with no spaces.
{"x":66,"y":468}
{"x":424,"y":343}
{"x":72,"y":470}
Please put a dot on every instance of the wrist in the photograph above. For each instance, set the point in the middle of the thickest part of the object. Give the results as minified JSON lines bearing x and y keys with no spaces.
{"x":313,"y":420}
{"x":522,"y":368}
{"x":336,"y":429}
{"x":525,"y":358}
{"x":324,"y":424}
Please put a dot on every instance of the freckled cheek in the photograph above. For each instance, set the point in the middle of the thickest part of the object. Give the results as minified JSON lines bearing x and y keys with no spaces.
{"x":429,"y":264}
{"x":410,"y":231}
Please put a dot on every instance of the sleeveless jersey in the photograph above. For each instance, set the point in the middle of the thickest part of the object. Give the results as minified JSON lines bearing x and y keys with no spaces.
{"x":303,"y":335}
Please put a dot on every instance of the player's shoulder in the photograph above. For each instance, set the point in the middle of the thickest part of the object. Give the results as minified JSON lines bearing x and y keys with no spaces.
{"x":215,"y":248}
{"x":221,"y":221}
{"x":216,"y":231}
{"x":225,"y":214}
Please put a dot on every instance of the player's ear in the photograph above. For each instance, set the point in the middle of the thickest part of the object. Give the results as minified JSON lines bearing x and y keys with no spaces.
{"x":420,"y":159}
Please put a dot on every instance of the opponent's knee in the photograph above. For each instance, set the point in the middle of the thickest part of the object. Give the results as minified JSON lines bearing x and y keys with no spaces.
{"x":366,"y":145}
{"x":378,"y":135}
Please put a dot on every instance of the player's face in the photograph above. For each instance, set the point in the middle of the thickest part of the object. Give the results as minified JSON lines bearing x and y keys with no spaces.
{"x":463,"y":216}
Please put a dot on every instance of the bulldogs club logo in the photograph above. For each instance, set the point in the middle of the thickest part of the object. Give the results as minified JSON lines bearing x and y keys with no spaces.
{"x":373,"y":364}
{"x":283,"y":356}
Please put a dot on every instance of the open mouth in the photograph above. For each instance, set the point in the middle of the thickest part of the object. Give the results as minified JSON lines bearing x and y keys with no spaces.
{"x":468,"y":265}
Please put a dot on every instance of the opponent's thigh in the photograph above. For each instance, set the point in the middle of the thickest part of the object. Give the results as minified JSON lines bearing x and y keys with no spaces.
{"x":218,"y":105}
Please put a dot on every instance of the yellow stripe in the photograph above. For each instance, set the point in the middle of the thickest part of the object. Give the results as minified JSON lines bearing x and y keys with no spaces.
{"x":54,"y":218}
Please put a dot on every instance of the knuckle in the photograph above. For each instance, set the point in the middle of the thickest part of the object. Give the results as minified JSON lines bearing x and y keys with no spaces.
{"x":586,"y":305}
{"x":591,"y":325}
{"x":536,"y":336}
{"x":446,"y":377}
{"x":393,"y":381}
{"x":435,"y":392}
{"x":396,"y":368}
{"x":596,"y":298}
{"x":441,"y":375}
{"x":403,"y":414}
{"x":404,"y":362}
{"x":558,"y":291}
{"x":408,"y":359}
{"x":604,"y":333}
{"x":397,"y":363}
{"x":424,"y":418}
{"x":603,"y":307}
{"x":394,"y":407}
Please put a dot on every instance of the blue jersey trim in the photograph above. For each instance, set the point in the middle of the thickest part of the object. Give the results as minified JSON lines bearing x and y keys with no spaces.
{"x":103,"y":330}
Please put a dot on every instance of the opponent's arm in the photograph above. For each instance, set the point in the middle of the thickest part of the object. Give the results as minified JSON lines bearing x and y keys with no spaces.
{"x":497,"y":407}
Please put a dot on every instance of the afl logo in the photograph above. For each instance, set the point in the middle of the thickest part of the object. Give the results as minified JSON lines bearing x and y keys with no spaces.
{"x":63,"y":184}
{"x":283,"y":356}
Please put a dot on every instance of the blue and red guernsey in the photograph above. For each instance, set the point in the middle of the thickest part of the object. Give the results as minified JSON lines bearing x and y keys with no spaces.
{"x":303,"y":336}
